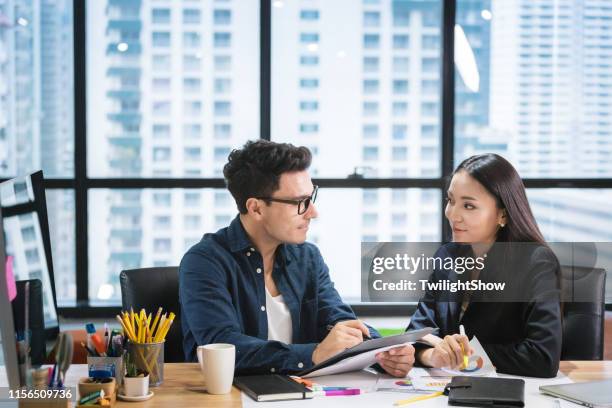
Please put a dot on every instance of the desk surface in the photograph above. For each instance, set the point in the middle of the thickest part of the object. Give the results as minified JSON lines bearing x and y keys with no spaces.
{"x":183,"y":384}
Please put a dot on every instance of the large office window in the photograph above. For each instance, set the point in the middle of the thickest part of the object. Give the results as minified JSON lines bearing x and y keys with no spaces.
{"x":357,"y":84}
{"x":37,"y":89}
{"x":163,"y":90}
{"x":136,"y":118}
{"x":182,"y":125}
{"x":134,"y":228}
{"x":37,"y":114}
{"x":533,"y":84}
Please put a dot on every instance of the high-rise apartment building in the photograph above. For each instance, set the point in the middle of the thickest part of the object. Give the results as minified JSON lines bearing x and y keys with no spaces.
{"x":177,"y":90}
{"x":37,"y":115}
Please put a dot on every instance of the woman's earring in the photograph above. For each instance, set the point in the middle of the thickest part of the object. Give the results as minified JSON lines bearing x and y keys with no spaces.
{"x":502,"y":225}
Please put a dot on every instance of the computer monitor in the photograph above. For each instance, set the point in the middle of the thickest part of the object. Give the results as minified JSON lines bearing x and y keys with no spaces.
{"x":24,"y":237}
{"x":8,"y":358}
{"x":27,"y":240}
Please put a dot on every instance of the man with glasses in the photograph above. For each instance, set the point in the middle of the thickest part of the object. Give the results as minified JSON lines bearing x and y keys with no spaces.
{"x":258,"y":285}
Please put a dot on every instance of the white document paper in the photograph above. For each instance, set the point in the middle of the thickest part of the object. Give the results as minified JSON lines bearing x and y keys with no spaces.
{"x":358,"y":362}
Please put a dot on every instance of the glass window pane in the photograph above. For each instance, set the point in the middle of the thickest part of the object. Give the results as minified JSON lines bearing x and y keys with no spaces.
{"x":542,"y":97}
{"x":162,"y":84}
{"x":36,"y":88}
{"x":60,"y":211}
{"x":364,"y":64}
{"x":147,"y":227}
{"x":349,"y":216}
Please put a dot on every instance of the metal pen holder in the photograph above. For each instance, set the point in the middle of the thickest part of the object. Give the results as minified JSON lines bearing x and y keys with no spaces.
{"x":148,"y":357}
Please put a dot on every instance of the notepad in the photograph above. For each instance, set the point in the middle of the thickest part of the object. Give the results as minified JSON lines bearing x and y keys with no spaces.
{"x":272,"y":388}
{"x":364,"y":354}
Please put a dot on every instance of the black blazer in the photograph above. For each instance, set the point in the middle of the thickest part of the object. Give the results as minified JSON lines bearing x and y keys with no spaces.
{"x":521,"y":337}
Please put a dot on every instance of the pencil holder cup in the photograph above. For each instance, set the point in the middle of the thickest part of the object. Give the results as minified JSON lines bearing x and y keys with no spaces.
{"x":101,"y":367}
{"x":88,"y":385}
{"x":148,"y":358}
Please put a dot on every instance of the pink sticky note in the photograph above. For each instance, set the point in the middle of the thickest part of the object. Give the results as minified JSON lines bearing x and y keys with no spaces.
{"x":10,"y":279}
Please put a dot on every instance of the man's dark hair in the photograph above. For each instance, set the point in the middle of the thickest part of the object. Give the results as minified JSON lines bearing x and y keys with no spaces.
{"x":255,"y":170}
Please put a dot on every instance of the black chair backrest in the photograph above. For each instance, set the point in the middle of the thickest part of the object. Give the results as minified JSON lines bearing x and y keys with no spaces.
{"x":583,"y":319}
{"x":150,"y":288}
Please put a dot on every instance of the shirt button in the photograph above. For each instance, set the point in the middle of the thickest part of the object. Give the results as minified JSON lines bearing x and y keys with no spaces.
{"x":263,"y":308}
{"x":272,"y":369}
{"x":300,"y":365}
{"x":248,"y":254}
{"x":258,"y":270}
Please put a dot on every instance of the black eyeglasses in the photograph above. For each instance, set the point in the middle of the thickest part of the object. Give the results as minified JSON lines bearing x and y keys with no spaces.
{"x":302,"y":204}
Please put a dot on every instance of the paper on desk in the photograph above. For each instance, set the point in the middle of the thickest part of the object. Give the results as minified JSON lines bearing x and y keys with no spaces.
{"x":430,"y":379}
{"x":358,"y":362}
{"x":403,"y":385}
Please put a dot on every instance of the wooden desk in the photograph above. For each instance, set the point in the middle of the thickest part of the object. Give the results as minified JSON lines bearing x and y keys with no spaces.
{"x":183,"y":387}
{"x":183,"y":384}
{"x":587,"y":370}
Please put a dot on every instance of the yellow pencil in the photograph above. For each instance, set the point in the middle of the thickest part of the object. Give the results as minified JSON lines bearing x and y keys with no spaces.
{"x":128,"y":329}
{"x":155,"y":321}
{"x":125,"y":330}
{"x":168,"y":324}
{"x":465,"y":356}
{"x":161,"y":334}
{"x":419,"y":398}
{"x":142,"y":327}
{"x":160,"y":326}
{"x":143,"y":321}
{"x":132,"y":318}
{"x":149,"y":327}
{"x":126,"y":320}
{"x":160,"y":330}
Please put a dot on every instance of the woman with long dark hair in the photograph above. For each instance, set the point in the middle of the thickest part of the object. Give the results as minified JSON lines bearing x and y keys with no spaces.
{"x":519,"y":328}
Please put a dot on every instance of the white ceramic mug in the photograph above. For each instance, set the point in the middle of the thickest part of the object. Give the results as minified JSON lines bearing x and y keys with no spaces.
{"x":217,"y":365}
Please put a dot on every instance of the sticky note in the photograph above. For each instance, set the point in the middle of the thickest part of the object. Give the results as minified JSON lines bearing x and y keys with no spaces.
{"x":10,"y":279}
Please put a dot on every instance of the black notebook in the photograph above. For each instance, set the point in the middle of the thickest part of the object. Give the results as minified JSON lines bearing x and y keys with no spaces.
{"x":272,"y":387}
{"x":486,"y":392}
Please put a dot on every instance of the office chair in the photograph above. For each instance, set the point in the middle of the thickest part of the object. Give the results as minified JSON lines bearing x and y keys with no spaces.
{"x":583,"y":319}
{"x":150,"y":288}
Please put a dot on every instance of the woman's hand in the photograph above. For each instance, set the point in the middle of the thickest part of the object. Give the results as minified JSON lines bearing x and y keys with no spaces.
{"x":447,"y":352}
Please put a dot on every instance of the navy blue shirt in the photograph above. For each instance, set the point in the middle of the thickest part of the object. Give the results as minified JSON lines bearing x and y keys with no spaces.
{"x":222,"y":295}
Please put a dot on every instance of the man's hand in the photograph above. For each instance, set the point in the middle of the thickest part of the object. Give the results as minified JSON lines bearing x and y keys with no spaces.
{"x":342,"y":336}
{"x":397,"y":361}
{"x":447,"y":352}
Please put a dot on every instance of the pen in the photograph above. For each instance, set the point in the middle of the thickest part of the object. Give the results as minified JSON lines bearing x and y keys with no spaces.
{"x":90,"y":351}
{"x":365,"y":337}
{"x":465,"y":357}
{"x":415,"y":399}
{"x":336,"y":393}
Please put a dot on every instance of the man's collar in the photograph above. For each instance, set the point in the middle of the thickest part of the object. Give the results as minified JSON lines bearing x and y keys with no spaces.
{"x":238,"y":238}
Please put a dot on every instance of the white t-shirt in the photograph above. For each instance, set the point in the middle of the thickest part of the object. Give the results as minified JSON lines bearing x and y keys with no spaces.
{"x":279,"y":319}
